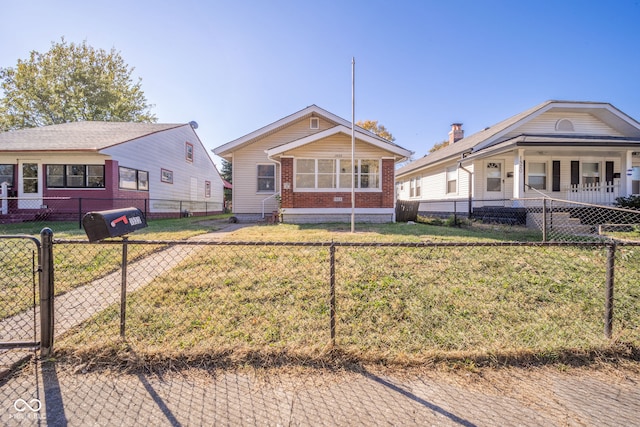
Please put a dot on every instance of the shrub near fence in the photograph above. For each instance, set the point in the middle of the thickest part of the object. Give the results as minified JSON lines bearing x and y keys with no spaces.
{"x":372,"y":301}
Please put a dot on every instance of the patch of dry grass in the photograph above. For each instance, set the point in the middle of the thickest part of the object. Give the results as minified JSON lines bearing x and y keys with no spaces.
{"x":470,"y":305}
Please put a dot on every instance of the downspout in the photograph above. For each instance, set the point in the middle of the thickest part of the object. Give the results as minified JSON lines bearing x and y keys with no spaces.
{"x":470,"y":185}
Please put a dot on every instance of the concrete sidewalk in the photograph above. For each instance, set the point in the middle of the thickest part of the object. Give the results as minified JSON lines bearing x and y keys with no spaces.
{"x":56,"y":395}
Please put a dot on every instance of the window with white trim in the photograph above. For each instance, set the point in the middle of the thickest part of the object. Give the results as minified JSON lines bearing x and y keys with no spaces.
{"x":494,"y":176}
{"x":369,"y":174}
{"x":537,"y":175}
{"x":590,"y":173}
{"x":346,"y":171}
{"x":328,"y":174}
{"x":305,"y":173}
{"x":452,"y":180}
{"x":266,"y":178}
{"x":415,"y":186}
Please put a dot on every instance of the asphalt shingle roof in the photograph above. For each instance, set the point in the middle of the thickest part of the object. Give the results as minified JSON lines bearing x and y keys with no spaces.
{"x":85,"y":136}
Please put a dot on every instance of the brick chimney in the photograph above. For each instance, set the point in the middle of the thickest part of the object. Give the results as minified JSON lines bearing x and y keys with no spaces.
{"x":456,"y":133}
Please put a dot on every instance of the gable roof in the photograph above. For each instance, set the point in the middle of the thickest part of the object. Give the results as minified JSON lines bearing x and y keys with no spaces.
{"x":377,"y":142}
{"x":306,"y":112}
{"x":78,"y":136}
{"x":497,"y":134}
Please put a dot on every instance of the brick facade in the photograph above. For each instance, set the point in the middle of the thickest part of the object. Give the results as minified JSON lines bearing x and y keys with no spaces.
{"x":337,"y":199}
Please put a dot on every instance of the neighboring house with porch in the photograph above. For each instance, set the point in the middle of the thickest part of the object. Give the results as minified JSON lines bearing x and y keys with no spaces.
{"x":301,"y":167}
{"x":578,"y":151}
{"x":56,"y":171}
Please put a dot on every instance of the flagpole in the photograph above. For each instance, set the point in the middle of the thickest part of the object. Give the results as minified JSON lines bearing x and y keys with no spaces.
{"x":353,"y":143}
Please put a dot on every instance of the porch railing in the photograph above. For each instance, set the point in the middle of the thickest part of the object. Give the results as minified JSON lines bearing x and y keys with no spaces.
{"x":597,"y":193}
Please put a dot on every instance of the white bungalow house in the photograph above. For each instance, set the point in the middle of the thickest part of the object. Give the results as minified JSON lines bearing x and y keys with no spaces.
{"x":301,"y":167}
{"x":577,"y":151}
{"x":60,"y":170}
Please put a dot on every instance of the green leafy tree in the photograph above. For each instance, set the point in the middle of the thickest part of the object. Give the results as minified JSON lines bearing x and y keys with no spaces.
{"x":227,"y":170}
{"x":71,"y":82}
{"x":373,"y":126}
{"x":227,"y":175}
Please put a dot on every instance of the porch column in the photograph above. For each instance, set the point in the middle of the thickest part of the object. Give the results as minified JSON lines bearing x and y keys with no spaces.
{"x":626,"y":180}
{"x":518,"y":177}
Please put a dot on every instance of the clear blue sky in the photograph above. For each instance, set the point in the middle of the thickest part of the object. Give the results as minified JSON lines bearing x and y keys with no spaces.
{"x":235,"y":66}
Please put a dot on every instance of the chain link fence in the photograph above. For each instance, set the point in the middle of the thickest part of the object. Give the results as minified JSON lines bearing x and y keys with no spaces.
{"x":47,"y":210}
{"x":19,"y":293}
{"x":197,"y":304}
{"x":378,"y":302}
{"x":555,"y":219}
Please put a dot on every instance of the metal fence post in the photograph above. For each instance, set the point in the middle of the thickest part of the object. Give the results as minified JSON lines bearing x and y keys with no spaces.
{"x":332,"y":298}
{"x":608,"y":309}
{"x":46,"y":292}
{"x":80,"y":213}
{"x":455,"y":213}
{"x":123,"y":288}
{"x":544,"y":220}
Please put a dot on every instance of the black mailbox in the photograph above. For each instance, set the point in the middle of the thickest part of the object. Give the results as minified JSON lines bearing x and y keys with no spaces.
{"x":112,"y":223}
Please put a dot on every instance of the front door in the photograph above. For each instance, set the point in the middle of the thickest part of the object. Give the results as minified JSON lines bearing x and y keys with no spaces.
{"x":494,"y":179}
{"x":29,"y":184}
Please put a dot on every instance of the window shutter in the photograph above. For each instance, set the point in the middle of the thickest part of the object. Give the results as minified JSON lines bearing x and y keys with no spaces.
{"x":556,"y":175}
{"x":608,"y":173}
{"x":575,"y":172}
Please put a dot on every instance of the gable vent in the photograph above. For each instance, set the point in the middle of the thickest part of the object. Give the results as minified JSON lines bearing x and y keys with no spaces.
{"x":564,"y":125}
{"x":314,"y":123}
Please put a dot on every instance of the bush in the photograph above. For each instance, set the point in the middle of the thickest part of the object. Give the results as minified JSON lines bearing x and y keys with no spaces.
{"x":632,"y":202}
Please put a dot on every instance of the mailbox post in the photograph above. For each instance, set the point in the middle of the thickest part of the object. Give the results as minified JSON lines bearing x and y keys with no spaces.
{"x":114,"y":223}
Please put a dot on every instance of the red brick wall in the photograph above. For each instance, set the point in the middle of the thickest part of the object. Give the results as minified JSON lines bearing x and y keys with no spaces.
{"x":384,"y":199}
{"x":286,"y":195}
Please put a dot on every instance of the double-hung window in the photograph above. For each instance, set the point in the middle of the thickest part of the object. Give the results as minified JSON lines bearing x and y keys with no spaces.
{"x":266,"y":178}
{"x":537,"y":175}
{"x":369,"y":174}
{"x":590,"y":174}
{"x":452,"y":180}
{"x":414,"y":187}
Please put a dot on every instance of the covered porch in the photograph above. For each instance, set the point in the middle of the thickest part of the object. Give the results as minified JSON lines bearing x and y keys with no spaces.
{"x":596,"y":176}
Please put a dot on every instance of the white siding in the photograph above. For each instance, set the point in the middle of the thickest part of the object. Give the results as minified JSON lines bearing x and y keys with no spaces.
{"x":338,"y":145}
{"x":434,"y":183}
{"x":246,"y":198}
{"x":583,"y":123}
{"x":167,"y":150}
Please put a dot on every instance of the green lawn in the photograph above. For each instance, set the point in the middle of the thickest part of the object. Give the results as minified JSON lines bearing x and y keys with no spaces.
{"x":393,"y":304}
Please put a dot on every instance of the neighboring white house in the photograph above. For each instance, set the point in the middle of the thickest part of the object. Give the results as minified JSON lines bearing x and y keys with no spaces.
{"x":301,"y":166}
{"x":161,"y":168}
{"x":578,"y":151}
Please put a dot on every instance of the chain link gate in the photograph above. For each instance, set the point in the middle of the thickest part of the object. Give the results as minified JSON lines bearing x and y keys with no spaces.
{"x":19,"y":292}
